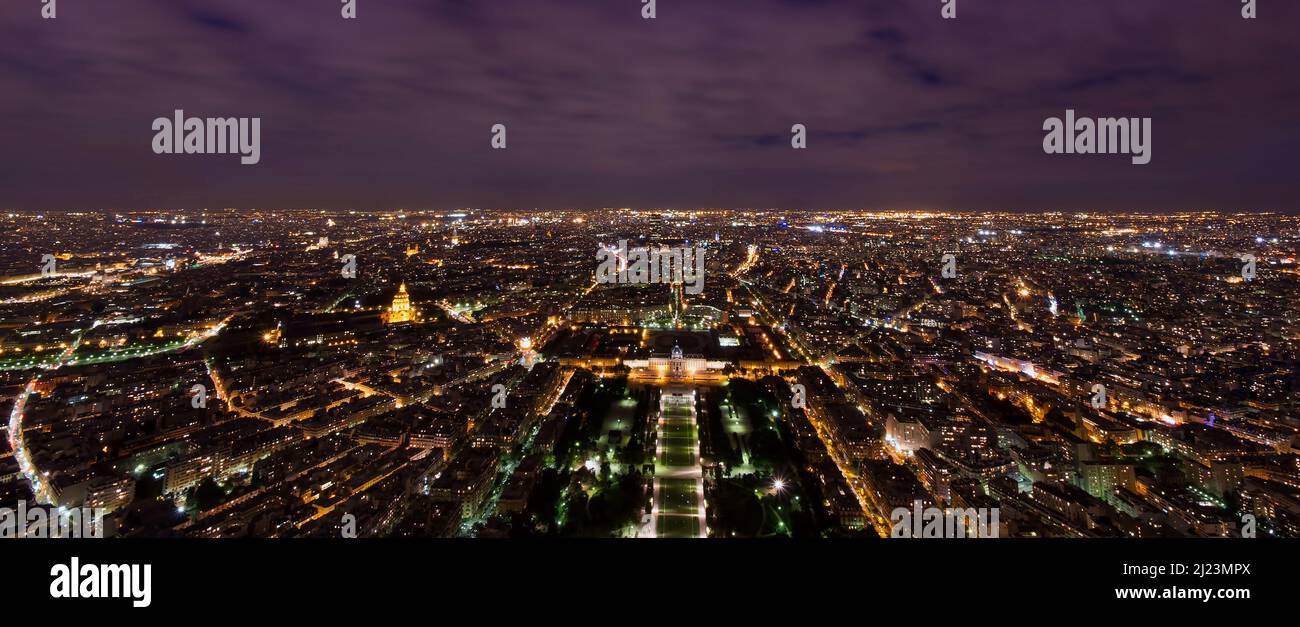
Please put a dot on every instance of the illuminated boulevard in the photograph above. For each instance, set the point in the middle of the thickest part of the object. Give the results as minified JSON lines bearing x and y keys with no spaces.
{"x":679,"y":484}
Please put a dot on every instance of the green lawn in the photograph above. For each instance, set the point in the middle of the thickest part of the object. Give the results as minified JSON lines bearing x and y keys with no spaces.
{"x":677,"y":496}
{"x":677,"y":456}
{"x":678,"y":526}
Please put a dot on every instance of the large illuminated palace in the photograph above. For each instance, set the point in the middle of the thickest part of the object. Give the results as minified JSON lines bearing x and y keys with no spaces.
{"x":678,"y":367}
{"x":671,"y":357}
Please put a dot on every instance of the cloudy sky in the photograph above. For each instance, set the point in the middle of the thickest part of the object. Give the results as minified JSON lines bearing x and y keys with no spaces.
{"x":604,"y":109}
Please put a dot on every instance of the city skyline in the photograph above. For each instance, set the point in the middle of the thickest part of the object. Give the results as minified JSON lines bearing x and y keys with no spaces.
{"x":632,"y":374}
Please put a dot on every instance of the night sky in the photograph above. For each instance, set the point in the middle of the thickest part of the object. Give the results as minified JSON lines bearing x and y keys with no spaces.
{"x":904,"y":109}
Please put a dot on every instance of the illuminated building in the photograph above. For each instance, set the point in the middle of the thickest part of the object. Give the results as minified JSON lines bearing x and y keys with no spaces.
{"x":678,"y":367}
{"x":400,"y":310}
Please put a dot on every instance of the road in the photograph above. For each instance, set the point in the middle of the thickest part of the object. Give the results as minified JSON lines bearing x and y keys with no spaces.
{"x":19,"y":444}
